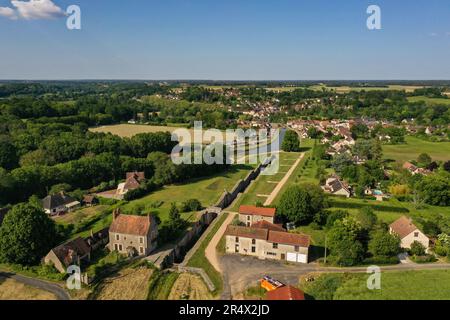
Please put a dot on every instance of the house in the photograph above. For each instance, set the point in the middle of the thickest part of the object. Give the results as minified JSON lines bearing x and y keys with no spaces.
{"x":263,"y":224}
{"x":97,"y":239}
{"x":408,"y":233}
{"x":133,"y":235}
{"x":285,"y":293}
{"x":414,"y":169}
{"x":73,"y":252}
{"x":267,"y":244}
{"x":3,"y":213}
{"x":335,"y":186}
{"x":59,"y":203}
{"x":90,"y":200}
{"x":249,"y":215}
{"x":132,"y":182}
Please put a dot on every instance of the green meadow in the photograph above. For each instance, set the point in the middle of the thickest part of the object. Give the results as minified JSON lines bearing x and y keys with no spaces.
{"x":414,"y":147}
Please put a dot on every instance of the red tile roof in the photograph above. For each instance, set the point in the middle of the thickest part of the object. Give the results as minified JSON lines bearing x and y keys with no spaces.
{"x":263,"y":224}
{"x":131,"y":225}
{"x":285,"y":293}
{"x":288,"y":238}
{"x":403,"y":227}
{"x":247,"y":232}
{"x":252,"y":210}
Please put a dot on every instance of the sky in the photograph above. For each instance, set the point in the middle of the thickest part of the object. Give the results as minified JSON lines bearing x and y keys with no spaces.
{"x":225,"y":40}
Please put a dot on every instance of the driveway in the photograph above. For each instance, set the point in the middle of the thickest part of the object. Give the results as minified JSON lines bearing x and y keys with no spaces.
{"x":241,"y":272}
{"x":57,"y":290}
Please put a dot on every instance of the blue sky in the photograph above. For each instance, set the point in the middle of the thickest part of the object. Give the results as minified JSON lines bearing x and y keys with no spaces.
{"x":230,"y":40}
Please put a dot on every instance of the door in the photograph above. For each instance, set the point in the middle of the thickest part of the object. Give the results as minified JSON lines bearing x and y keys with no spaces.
{"x":292,"y":257}
{"x":283,"y":256}
{"x":302,"y":258}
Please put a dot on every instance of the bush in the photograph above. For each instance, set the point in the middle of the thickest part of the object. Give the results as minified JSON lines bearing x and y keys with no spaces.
{"x":380,"y":260}
{"x":315,"y":226}
{"x":424,"y":259}
{"x":191,"y":205}
{"x":441,"y":250}
{"x":417,"y":249}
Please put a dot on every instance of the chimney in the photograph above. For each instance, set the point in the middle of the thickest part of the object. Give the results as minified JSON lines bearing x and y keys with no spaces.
{"x":116,"y":213}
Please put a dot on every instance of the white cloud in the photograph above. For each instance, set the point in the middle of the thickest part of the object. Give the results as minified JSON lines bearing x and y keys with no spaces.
{"x":32,"y":10}
{"x":8,"y":13}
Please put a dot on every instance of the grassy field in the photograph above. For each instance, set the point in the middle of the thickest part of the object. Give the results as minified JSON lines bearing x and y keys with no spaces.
{"x":128,"y":284}
{"x":199,"y":260}
{"x":430,"y":100}
{"x":161,"y":284}
{"x":129,"y":130}
{"x":414,"y":147}
{"x":405,"y":285}
{"x":189,"y":287}
{"x":14,"y":290}
{"x":346,"y":89}
{"x":207,"y":191}
{"x":80,"y":215}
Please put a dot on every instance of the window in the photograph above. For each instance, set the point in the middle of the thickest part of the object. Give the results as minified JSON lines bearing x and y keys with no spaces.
{"x":253,"y":241}
{"x":248,"y":218}
{"x":275,"y":245}
{"x":297,"y":248}
{"x":237,"y":239}
{"x":271,"y":254}
{"x":253,"y":249}
{"x":120,"y":247}
{"x":141,"y":240}
{"x":141,"y":250}
{"x":117,"y":237}
{"x":116,"y":247}
{"x":416,"y":234}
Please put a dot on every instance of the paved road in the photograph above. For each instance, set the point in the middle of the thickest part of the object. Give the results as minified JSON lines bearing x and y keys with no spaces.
{"x":241,"y":272}
{"x":57,"y":290}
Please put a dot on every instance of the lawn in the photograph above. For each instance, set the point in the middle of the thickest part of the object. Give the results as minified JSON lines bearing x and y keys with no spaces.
{"x":199,"y":260}
{"x":405,"y":285}
{"x":206,"y":190}
{"x":430,"y":100}
{"x":79,"y":215}
{"x":414,"y":147}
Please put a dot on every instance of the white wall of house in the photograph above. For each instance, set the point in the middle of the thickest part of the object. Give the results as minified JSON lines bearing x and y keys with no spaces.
{"x":416,"y":235}
{"x":249,"y":219}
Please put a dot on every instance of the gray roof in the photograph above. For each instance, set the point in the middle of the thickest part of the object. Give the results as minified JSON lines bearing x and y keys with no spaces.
{"x":56,"y":200}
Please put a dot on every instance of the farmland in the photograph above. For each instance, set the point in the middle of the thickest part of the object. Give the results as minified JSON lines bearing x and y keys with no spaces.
{"x":430,"y":100}
{"x":14,"y":290}
{"x":130,"y":130}
{"x":189,"y":287}
{"x":414,"y":147}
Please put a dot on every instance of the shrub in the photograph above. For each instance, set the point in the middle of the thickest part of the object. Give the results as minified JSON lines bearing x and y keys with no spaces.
{"x":191,"y":205}
{"x":417,"y":249}
{"x":380,"y":260}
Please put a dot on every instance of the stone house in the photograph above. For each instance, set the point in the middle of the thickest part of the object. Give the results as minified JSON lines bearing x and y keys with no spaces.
{"x":133,"y":235}
{"x":408,"y":233}
{"x":267,"y":244}
{"x":73,"y":252}
{"x":250,"y":215}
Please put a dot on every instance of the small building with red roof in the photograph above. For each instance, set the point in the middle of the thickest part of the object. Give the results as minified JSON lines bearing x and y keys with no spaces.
{"x":285,"y":293}
{"x":250,"y":215}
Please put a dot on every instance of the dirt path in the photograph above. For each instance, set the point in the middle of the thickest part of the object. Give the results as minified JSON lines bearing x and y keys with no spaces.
{"x":283,"y":181}
{"x":210,"y":251}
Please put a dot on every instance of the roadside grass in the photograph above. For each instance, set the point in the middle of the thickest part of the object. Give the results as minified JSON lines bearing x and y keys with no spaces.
{"x":199,"y":260}
{"x":442,"y":101}
{"x":414,"y":147}
{"x":160,"y":285}
{"x":405,"y":285}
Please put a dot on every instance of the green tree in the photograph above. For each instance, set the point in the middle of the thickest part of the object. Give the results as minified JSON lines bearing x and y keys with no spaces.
{"x":384,"y":244}
{"x":300,"y":203}
{"x":435,"y":189}
{"x":345,"y":248}
{"x":417,"y":249}
{"x":26,"y":235}
{"x":424,"y":160}
{"x":8,"y":153}
{"x":291,"y":142}
{"x":366,"y":217}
